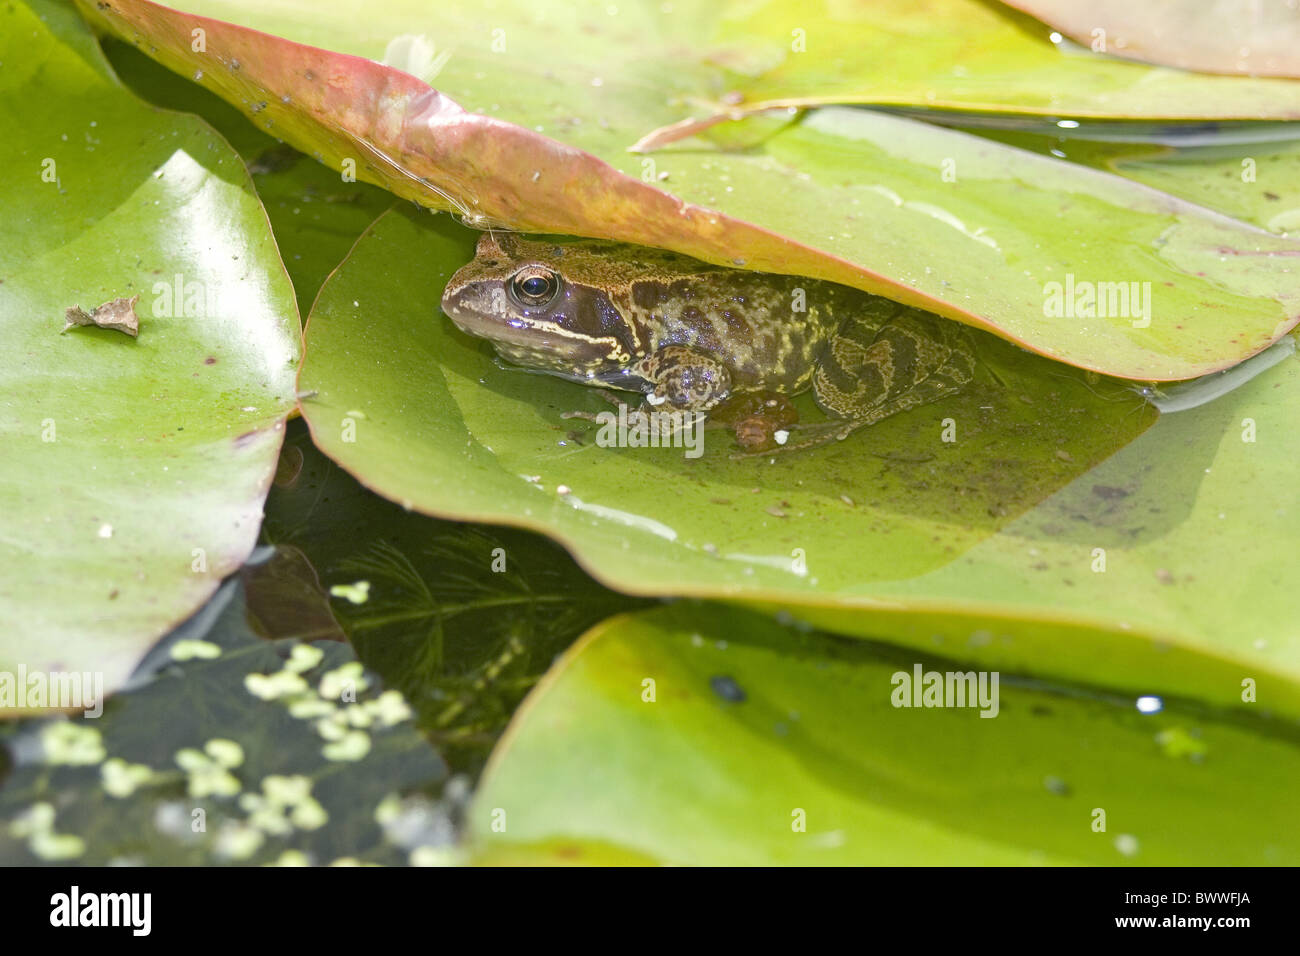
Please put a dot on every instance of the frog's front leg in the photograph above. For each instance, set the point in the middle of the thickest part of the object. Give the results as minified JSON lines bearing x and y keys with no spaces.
{"x":681,"y":380}
{"x":692,"y":381}
{"x":684,"y":379}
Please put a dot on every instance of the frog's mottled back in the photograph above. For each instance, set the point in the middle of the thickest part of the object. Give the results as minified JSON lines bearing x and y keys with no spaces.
{"x":589,"y":310}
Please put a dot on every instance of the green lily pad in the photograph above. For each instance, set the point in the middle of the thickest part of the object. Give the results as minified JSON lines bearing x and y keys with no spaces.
{"x":1259,"y":184}
{"x":953,"y":224}
{"x":1256,"y":182}
{"x":135,"y":469}
{"x":1238,"y":37}
{"x":944,"y":54}
{"x":985,"y":546}
{"x":1170,"y":563}
{"x":422,"y":413}
{"x":966,"y":55}
{"x":316,"y":214}
{"x":864,"y":181}
{"x":699,"y":735}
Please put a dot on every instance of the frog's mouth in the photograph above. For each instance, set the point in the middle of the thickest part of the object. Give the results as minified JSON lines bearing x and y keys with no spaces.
{"x":534,"y":339}
{"x":553,"y":362}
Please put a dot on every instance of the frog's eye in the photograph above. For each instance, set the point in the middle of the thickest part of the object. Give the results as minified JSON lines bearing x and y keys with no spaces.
{"x":534,"y":286}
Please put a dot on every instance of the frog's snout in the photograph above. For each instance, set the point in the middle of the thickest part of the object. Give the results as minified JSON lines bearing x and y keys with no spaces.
{"x":459,"y":306}
{"x":450,"y":302}
{"x":473,"y":309}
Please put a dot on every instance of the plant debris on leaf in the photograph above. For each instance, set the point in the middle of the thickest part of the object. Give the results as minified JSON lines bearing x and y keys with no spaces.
{"x":119,"y":315}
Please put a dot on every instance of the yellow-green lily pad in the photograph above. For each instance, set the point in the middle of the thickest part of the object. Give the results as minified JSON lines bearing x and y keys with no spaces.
{"x":700,"y":735}
{"x":134,"y":470}
{"x":1017,"y":544}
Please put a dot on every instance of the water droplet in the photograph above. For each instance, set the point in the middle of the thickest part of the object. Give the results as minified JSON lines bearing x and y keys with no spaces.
{"x":726,"y":688}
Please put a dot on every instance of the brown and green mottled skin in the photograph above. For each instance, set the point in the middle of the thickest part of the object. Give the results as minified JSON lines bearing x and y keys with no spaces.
{"x":700,"y":337}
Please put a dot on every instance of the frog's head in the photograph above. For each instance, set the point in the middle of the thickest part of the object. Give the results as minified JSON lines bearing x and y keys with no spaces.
{"x":550,"y":305}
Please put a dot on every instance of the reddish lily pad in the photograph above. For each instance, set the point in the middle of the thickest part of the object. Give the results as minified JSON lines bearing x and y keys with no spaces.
{"x":1236,"y":37}
{"x":966,"y":228}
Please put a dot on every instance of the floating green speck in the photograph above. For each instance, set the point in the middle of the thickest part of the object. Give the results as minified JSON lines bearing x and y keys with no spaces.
{"x":303,"y":657}
{"x":273,"y":686}
{"x":206,"y":776}
{"x":121,"y":779}
{"x":388,"y":809}
{"x":1176,"y":742}
{"x":309,"y":705}
{"x":66,"y":742}
{"x":38,"y":818}
{"x":357,"y":593}
{"x":352,"y":746}
{"x":226,"y":753}
{"x":291,"y":858}
{"x":190,"y":650}
{"x":37,"y":825}
{"x":434,"y":856}
{"x":309,"y":815}
{"x":349,"y":677}
{"x":237,"y":841}
{"x":56,"y":846}
{"x":388,"y":708}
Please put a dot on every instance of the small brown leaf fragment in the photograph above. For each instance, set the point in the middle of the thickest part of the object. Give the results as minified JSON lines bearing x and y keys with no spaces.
{"x":119,"y":315}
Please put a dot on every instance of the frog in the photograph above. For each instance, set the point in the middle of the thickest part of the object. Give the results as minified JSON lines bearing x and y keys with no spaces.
{"x":728,"y":343}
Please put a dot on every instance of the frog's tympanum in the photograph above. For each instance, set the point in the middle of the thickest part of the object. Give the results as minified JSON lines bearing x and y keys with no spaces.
{"x":691,"y":336}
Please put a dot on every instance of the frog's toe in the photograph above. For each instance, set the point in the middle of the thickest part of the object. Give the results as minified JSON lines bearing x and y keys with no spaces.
{"x":614,"y":398}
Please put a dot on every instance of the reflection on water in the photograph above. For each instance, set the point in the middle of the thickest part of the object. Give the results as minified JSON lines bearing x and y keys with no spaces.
{"x":1200,"y":391}
{"x":1113,"y":131}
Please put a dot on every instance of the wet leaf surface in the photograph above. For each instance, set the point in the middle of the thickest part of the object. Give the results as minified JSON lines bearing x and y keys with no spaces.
{"x":952,"y":224}
{"x":134,"y":469}
{"x":426,"y":416}
{"x":786,"y":747}
{"x":316,"y":215}
{"x":988,"y":546}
